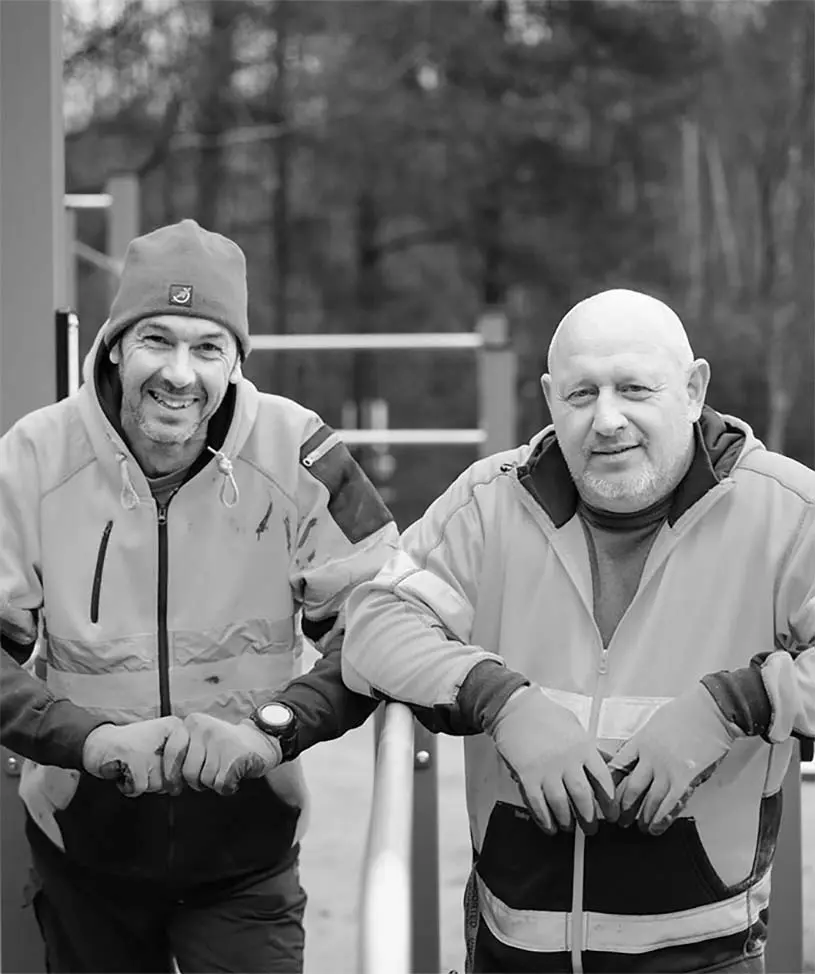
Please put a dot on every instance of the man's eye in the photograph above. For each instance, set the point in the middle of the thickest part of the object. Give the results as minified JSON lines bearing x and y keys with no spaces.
{"x":581,"y":395}
{"x":156,"y":339}
{"x":209,"y":347}
{"x":633,"y":389}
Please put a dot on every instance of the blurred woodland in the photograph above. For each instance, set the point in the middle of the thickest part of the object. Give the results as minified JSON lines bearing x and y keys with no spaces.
{"x":405,"y":165}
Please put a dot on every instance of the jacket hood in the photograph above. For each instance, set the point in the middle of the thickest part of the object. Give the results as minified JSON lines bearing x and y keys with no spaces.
{"x":100,"y":403}
{"x":721,"y":443}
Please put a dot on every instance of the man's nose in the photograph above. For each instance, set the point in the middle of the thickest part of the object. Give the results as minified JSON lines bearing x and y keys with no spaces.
{"x":178,"y":370}
{"x":608,"y":417}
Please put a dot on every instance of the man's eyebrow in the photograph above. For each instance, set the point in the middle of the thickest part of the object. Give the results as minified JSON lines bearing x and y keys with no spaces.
{"x":144,"y":325}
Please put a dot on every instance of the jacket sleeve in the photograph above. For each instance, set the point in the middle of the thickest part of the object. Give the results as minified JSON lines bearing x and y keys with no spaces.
{"x":344,"y":535}
{"x":20,"y":571}
{"x":409,"y":629}
{"x":36,"y":725}
{"x":774,"y":696}
{"x":32,"y":722}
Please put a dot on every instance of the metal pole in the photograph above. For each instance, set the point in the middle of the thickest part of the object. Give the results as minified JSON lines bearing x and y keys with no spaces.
{"x":785,"y":943}
{"x":426,"y":951}
{"x":497,"y":385}
{"x":123,"y":217}
{"x":33,"y":266}
{"x":385,"y":922}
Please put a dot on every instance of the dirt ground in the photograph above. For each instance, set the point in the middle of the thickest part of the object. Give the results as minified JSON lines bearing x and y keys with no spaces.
{"x":340,"y":775}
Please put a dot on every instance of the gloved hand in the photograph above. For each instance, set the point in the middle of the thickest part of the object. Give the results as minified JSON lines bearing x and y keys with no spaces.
{"x":556,"y":765}
{"x":679,"y":747}
{"x":220,"y":754}
{"x":131,"y":755}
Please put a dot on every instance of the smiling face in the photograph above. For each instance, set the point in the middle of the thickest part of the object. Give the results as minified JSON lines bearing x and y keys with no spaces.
{"x":174,"y":371}
{"x":624,"y":391}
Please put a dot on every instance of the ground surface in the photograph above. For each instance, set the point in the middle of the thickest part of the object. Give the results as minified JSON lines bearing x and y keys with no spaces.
{"x":340,"y":776}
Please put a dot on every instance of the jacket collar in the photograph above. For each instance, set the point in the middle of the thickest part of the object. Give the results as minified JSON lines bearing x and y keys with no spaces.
{"x":719,"y":441}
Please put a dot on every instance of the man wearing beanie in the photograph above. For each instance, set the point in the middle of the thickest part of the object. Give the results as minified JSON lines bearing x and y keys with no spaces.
{"x":168,"y":534}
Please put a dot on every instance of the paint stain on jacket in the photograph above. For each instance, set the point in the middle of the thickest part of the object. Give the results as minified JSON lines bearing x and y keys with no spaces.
{"x":263,"y":524}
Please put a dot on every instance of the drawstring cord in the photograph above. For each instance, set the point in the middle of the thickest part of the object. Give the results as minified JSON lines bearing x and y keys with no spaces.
{"x":130,"y":499}
{"x":128,"y":496}
{"x":224,"y":465}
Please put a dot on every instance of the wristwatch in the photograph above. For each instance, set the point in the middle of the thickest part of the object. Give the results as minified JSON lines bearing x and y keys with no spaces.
{"x":278,"y":720}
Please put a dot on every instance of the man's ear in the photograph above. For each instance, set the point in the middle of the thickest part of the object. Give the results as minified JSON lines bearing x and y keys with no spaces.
{"x":698,"y":380}
{"x":546,"y":385}
{"x":236,"y":374}
{"x":115,"y":352}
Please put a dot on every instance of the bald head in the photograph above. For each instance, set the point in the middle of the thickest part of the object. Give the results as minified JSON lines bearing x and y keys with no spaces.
{"x":620,"y":321}
{"x":624,"y":392}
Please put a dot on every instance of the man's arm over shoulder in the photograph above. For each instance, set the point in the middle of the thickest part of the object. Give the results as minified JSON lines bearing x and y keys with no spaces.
{"x":344,"y":535}
{"x":409,"y":629}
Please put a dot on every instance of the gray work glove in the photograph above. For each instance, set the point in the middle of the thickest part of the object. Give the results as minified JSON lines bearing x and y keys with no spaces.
{"x":217,"y":754}
{"x":679,"y":747}
{"x":557,"y":766}
{"x":131,"y":755}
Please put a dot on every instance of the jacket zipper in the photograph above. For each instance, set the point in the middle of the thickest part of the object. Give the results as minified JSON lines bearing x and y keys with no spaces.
{"x":164,"y":659}
{"x":97,"y":574}
{"x":163,"y":648}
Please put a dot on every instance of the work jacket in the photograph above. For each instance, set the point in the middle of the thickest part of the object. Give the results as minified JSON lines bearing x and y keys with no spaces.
{"x":498,"y":569}
{"x":194,"y":605}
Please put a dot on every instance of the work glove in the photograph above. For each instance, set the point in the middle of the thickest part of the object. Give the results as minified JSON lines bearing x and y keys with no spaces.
{"x":561,"y":774}
{"x":131,"y":755}
{"x":660,"y":766}
{"x":220,"y":754}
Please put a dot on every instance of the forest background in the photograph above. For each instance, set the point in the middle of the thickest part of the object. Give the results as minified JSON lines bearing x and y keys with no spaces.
{"x":408,"y":165}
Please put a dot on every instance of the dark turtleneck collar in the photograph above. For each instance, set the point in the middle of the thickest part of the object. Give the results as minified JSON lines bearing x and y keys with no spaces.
{"x":716,"y":448}
{"x":626,"y":520}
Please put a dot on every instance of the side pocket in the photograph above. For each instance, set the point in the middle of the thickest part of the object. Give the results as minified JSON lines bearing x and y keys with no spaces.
{"x":97,"y":575}
{"x":524,"y":867}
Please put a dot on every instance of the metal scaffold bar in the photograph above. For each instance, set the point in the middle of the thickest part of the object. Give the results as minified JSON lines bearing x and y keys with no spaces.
{"x":438,"y":340}
{"x":385,"y":914}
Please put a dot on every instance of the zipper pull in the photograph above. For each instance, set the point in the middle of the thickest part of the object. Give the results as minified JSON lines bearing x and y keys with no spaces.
{"x":162,"y":514}
{"x":603,"y":666}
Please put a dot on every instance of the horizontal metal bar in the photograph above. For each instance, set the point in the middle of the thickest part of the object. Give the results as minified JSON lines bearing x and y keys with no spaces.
{"x":409,"y":340}
{"x":385,"y":920}
{"x":427,"y":437}
{"x":88,"y":201}
{"x":98,"y":259}
{"x":808,"y":770}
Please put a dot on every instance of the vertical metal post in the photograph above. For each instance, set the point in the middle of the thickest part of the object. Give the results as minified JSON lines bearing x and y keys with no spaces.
{"x":32,"y":236}
{"x":785,"y":944}
{"x":124,"y":222}
{"x":425,"y":945}
{"x":32,"y":285}
{"x":497,"y":383}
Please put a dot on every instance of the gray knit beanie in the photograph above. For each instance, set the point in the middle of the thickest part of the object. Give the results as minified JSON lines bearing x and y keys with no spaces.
{"x":182,"y":269}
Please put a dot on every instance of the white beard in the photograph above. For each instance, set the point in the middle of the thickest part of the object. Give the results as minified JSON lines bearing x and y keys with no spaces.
{"x":641,"y":486}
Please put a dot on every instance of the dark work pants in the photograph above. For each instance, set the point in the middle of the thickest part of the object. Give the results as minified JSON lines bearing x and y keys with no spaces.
{"x":95,"y":923}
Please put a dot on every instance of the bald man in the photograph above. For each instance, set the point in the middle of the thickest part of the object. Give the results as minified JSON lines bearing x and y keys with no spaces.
{"x":621,"y":616}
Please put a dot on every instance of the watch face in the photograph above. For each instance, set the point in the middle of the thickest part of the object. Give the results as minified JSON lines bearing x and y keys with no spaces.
{"x":275,"y":715}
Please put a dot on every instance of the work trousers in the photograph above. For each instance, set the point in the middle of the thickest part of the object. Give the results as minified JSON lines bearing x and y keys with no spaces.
{"x":92,"y":922}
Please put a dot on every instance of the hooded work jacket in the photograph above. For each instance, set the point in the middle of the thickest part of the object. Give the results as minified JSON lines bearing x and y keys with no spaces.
{"x":498,"y":569}
{"x":195,"y":605}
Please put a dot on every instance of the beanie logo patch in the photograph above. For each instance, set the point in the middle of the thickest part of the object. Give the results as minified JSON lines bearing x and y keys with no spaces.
{"x":181,"y":295}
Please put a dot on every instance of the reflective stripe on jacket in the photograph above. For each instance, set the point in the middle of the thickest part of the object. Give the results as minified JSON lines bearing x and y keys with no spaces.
{"x":194,"y":607}
{"x":498,"y":569}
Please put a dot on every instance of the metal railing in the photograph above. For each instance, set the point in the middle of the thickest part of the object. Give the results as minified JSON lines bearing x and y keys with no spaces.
{"x":385,"y":913}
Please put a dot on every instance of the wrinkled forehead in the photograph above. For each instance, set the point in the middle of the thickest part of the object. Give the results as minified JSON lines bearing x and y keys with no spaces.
{"x":649,"y":364}
{"x":185,"y":328}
